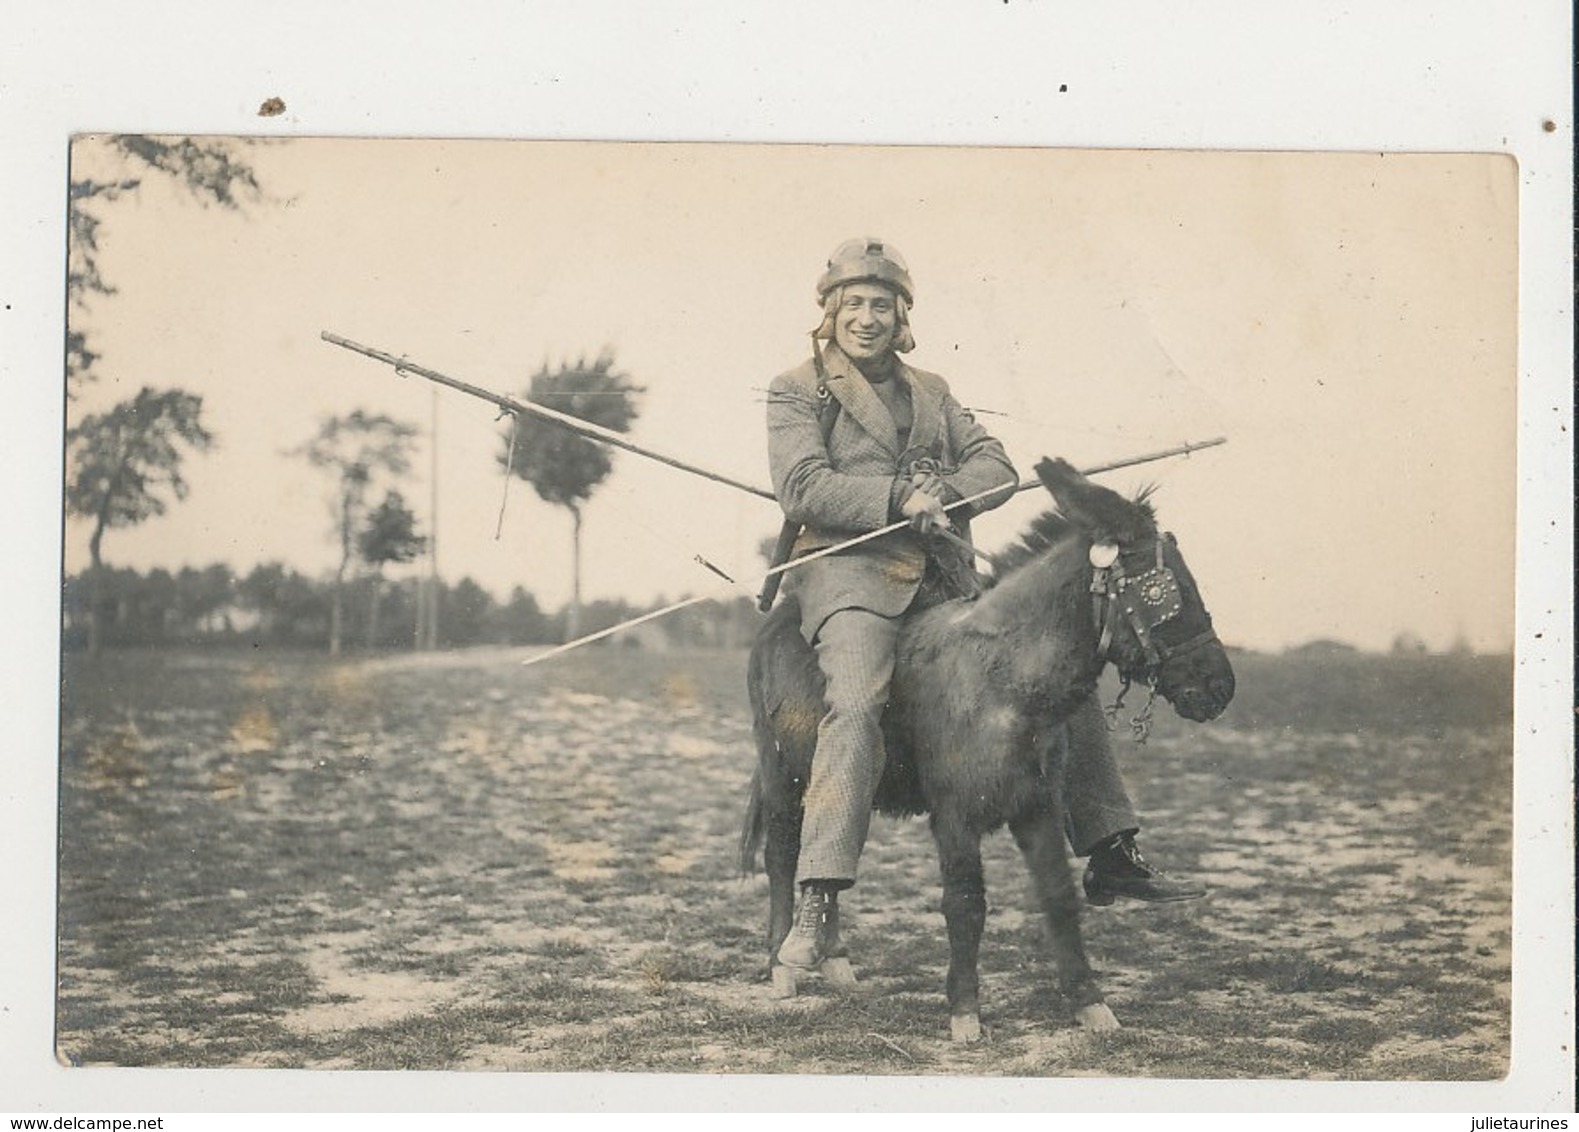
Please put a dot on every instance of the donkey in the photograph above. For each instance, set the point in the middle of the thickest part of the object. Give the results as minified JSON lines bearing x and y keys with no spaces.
{"x":974,"y":728}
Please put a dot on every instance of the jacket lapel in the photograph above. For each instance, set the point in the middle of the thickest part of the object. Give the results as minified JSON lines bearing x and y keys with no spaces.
{"x":926,"y":412}
{"x":857,"y":398}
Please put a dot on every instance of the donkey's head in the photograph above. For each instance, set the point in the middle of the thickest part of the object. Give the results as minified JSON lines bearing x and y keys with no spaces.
{"x":1151,"y":621}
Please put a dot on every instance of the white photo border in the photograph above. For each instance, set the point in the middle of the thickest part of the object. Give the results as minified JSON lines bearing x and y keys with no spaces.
{"x":1452,"y":76}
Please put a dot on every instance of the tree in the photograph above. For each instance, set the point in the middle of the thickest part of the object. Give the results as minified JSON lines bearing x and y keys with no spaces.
{"x":203,"y":601}
{"x":211,"y":170}
{"x":390,"y":535}
{"x":523,"y":622}
{"x":123,"y":465}
{"x":357,"y":449}
{"x":470,"y":612}
{"x":290,"y":608}
{"x":122,"y":462}
{"x":562,"y":466}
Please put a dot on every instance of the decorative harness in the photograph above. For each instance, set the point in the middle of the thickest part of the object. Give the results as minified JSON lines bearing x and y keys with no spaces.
{"x":1146,"y":600}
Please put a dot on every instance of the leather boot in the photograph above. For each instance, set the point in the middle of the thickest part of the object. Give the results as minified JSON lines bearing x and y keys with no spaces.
{"x":1116,"y":869}
{"x":806,"y":946}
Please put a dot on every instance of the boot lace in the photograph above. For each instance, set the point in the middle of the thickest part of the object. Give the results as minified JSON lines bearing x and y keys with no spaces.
{"x":814,"y":911}
{"x":1131,"y":853}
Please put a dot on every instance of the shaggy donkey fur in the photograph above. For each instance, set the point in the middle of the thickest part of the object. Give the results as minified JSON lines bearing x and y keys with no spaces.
{"x":974,"y":728}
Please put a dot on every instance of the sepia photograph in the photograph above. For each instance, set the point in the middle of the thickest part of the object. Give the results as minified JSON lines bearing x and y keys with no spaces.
{"x":426,"y":703}
{"x":649,"y":559}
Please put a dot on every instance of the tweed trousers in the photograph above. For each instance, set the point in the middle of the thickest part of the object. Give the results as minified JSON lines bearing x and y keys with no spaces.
{"x":855,"y":650}
{"x":1096,"y":805}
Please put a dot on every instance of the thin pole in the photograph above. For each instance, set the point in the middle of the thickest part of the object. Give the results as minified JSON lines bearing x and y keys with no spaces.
{"x":1130,"y":461}
{"x":432,"y":622}
{"x":797,"y":563}
{"x":608,"y":436}
{"x":510,"y":405}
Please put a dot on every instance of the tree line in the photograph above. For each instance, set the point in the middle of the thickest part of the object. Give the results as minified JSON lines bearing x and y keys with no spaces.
{"x":275,"y":606}
{"x":125,"y":466}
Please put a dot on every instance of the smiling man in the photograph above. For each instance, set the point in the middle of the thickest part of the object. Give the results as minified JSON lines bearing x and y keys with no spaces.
{"x":858,"y":440}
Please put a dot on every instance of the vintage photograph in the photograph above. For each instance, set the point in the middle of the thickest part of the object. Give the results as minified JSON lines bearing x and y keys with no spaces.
{"x":568,"y":607}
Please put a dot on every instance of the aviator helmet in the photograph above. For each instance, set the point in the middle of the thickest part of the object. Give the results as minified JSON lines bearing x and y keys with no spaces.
{"x":866,"y":259}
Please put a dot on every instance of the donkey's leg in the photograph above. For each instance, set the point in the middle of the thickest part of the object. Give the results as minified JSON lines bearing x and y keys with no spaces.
{"x":1041,"y":839}
{"x":965,"y":912}
{"x":780,"y":851}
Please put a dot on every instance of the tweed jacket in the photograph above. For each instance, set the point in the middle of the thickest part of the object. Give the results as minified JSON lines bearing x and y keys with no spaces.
{"x":843,"y":487}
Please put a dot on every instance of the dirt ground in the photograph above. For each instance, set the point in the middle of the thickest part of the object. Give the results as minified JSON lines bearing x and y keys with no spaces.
{"x":453,"y":862}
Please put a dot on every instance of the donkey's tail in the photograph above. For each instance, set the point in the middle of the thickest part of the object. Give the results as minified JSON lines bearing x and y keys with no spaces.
{"x":753,"y":827}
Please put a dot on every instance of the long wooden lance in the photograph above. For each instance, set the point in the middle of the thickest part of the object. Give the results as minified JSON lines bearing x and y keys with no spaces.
{"x":581,"y":427}
{"x":797,"y":563}
{"x":787,"y":535}
{"x":403,"y":366}
{"x":565,"y":420}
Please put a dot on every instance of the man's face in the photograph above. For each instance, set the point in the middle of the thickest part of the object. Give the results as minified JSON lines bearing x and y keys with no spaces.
{"x":865,"y":324}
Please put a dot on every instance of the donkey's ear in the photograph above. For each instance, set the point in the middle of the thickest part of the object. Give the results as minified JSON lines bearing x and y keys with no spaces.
{"x":1101,"y":513}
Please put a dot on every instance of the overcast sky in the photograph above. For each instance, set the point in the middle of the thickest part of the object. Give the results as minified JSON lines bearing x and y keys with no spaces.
{"x":1347,"y":322}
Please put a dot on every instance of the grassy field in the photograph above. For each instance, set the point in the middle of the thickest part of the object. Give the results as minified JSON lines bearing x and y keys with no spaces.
{"x":451,"y":862}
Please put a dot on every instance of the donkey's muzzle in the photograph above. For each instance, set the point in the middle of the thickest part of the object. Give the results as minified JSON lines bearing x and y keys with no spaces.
{"x":1206,"y":691}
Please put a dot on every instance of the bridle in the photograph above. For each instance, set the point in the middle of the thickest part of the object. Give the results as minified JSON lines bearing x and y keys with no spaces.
{"x":1146,"y":600}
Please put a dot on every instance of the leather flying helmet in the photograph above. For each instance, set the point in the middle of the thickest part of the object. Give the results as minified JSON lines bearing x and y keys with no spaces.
{"x":866,"y":259}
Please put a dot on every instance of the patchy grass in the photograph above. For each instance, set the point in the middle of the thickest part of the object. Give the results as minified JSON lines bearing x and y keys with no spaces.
{"x":451,"y":862}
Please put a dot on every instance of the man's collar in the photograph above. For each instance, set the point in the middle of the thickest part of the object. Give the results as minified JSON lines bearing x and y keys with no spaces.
{"x":859,"y":399}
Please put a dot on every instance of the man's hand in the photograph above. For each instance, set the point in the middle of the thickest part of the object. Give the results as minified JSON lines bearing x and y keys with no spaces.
{"x":925,"y":512}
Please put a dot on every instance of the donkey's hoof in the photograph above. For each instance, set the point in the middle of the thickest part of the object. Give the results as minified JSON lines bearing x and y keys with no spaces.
{"x":839,"y":973}
{"x":1096,"y":1018}
{"x":965,"y":1028}
{"x":783,"y":981}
